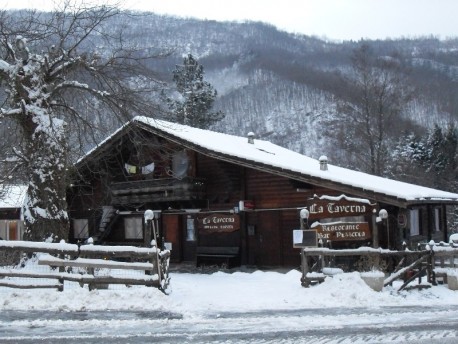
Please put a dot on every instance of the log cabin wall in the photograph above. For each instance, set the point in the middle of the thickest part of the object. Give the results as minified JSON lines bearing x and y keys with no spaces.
{"x":223,"y":182}
{"x":270,"y":240}
{"x":265,"y":235}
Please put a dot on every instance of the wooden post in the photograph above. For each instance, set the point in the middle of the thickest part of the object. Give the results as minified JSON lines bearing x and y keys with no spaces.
{"x":376,"y":261}
{"x":375,"y":240}
{"x":430,"y":268}
{"x":304,"y":268}
{"x":61,"y":287}
{"x":147,"y":239}
{"x":158,"y":258}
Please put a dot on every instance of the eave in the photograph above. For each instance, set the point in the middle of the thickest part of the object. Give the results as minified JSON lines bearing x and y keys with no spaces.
{"x":312,"y":180}
{"x":259,"y":166}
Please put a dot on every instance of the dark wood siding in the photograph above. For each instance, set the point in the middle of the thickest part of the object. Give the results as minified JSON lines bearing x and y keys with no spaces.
{"x":270,"y":191}
{"x":272,"y":243}
{"x":222,"y":180}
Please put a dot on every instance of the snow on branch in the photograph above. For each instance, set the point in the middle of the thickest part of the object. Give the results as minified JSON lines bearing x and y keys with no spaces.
{"x":81,"y":86}
{"x":10,"y":112}
{"x":4,"y":66}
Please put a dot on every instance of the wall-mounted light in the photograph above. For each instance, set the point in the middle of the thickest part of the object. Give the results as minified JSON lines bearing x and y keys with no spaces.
{"x":304,"y":215}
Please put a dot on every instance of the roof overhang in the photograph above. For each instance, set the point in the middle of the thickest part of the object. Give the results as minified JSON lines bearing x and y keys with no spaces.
{"x":294,"y":175}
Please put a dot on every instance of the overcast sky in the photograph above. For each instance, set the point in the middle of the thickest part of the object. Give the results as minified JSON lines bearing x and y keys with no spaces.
{"x":331,"y":19}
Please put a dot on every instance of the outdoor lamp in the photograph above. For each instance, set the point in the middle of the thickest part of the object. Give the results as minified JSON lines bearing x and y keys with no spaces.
{"x":304,"y":214}
{"x":149,"y":215}
{"x":383,"y":214}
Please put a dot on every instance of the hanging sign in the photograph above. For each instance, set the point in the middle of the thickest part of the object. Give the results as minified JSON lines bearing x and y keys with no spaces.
{"x":337,"y":206}
{"x":218,"y":223}
{"x":343,"y":231}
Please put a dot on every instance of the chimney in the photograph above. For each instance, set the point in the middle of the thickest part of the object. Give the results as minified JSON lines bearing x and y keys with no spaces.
{"x":251,"y":137}
{"x":323,"y":163}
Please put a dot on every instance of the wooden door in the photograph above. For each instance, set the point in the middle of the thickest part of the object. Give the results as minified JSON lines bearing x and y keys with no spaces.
{"x":171,"y":226}
{"x":13,"y":230}
{"x":189,"y":237}
{"x":269,"y":240}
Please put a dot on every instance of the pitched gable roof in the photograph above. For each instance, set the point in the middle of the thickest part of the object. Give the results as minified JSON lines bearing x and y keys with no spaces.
{"x":266,"y":156}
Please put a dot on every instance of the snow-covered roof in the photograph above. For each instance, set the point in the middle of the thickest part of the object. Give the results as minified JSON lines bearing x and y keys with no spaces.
{"x":12,"y":196}
{"x":273,"y":158}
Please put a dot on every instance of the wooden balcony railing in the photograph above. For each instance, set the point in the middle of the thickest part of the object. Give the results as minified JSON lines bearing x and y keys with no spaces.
{"x":158,"y":190}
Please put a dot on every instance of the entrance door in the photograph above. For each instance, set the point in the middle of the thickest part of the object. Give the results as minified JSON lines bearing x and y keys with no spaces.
{"x":189,"y":238}
{"x":13,"y":230}
{"x":171,"y":225}
{"x":269,"y":244}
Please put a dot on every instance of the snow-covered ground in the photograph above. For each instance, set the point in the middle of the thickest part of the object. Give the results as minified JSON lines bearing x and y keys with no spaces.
{"x":192,"y":294}
{"x":232,"y":307}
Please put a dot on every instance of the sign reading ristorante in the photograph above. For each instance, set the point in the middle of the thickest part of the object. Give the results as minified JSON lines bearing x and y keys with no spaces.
{"x":343,"y":231}
{"x":218,"y":223}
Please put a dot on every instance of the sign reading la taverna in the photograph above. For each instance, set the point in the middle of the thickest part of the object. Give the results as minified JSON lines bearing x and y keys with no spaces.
{"x":342,"y":206}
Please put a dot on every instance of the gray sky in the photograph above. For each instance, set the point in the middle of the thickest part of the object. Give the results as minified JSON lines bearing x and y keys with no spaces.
{"x":332,"y":19}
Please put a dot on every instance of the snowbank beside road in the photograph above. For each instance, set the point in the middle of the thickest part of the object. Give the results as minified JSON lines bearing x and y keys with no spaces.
{"x":193,"y":294}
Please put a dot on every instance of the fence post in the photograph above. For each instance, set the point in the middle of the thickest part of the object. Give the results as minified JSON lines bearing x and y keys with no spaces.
{"x":91,"y":271}
{"x":62,"y":256}
{"x":376,"y":263}
{"x":149,"y":217}
{"x":304,"y":268}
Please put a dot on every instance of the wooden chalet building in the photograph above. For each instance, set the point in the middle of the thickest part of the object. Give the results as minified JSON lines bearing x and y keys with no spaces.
{"x":239,"y":198}
{"x":12,"y":199}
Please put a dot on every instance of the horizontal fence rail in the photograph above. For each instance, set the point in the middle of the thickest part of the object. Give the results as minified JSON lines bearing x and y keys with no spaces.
{"x":433,"y":261}
{"x":95,"y":265}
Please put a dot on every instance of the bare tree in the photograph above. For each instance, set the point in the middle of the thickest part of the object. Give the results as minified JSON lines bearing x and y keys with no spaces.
{"x":64,"y":75}
{"x":376,"y":95}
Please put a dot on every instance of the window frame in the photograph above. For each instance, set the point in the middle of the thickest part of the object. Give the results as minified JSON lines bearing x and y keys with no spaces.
{"x":131,"y":229}
{"x":415,"y":222}
{"x":80,"y":232}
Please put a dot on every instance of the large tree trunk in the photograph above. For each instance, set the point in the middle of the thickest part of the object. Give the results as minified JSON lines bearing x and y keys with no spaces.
{"x":45,"y":212}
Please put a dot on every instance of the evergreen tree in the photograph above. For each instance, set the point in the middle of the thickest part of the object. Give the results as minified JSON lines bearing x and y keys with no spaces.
{"x":196,"y":96}
{"x":430,"y":160}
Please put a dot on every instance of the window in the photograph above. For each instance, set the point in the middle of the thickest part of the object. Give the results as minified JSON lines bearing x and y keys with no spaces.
{"x":414,"y":222}
{"x":133,"y":227}
{"x":180,"y":164}
{"x":190,"y":229}
{"x":3,"y":229}
{"x":437,"y":219}
{"x":80,"y":228}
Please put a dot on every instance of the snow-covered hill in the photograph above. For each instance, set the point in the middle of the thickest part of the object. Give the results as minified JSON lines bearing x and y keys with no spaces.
{"x":284,"y":87}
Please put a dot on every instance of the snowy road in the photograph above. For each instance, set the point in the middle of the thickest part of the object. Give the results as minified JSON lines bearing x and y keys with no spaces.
{"x":332,"y":325}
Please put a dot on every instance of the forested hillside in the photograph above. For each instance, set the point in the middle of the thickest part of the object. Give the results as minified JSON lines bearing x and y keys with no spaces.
{"x":302,"y":92}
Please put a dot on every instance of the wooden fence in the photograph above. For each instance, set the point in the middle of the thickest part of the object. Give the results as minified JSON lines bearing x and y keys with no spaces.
{"x":431,"y":262}
{"x":75,"y":263}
